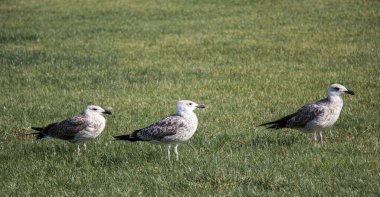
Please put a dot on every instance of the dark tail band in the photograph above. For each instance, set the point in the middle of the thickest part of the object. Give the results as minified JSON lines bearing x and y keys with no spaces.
{"x":39,"y":134}
{"x":278,"y":124}
{"x":127,"y":137}
{"x":38,"y":128}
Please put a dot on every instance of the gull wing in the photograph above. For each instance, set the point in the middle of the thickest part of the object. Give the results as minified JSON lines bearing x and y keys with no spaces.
{"x":165,"y":127}
{"x":300,"y":118}
{"x":68,"y":128}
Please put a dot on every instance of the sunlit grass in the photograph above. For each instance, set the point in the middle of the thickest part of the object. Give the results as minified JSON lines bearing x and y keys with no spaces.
{"x":249,"y":61}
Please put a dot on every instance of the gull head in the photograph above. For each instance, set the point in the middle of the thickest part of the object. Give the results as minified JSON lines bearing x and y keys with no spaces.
{"x":184,"y":106}
{"x":337,"y":89}
{"x":94,"y":109}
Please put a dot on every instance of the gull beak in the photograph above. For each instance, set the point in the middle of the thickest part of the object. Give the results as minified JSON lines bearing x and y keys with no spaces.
{"x":201,"y":106}
{"x":108,"y":111}
{"x":349,"y":92}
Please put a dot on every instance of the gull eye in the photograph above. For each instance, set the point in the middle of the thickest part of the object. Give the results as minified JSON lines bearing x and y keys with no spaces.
{"x":336,"y":88}
{"x":190,"y":104}
{"x":94,"y":109}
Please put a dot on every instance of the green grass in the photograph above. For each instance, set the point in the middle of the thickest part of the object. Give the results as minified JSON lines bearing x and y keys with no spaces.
{"x":250,"y":61}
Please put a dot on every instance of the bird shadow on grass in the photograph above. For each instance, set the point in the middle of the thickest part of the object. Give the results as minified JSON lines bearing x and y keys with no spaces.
{"x":49,"y":149}
{"x":109,"y":161}
{"x":269,"y":184}
{"x":267,"y":142}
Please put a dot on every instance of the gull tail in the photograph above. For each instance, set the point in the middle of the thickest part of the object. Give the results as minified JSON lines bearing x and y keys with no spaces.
{"x":129,"y":137}
{"x":278,"y":124}
{"x":38,"y":128}
{"x":39,"y":135}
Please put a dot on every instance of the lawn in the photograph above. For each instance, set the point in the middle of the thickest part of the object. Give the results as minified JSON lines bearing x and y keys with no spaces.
{"x":249,"y":61}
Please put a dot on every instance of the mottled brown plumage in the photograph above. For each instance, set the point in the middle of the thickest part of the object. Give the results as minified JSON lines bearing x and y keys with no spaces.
{"x":67,"y":129}
{"x":163,"y":128}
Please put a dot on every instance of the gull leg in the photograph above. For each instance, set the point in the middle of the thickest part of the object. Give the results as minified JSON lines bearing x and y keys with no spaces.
{"x":321,"y":135}
{"x":85,"y":147}
{"x":78,"y":149}
{"x":315,"y":138}
{"x":168,"y":151}
{"x":176,"y":152}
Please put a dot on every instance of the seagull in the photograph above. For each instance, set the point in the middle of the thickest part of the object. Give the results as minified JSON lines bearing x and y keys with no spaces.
{"x":172,"y":130}
{"x":316,"y":116}
{"x":77,"y":129}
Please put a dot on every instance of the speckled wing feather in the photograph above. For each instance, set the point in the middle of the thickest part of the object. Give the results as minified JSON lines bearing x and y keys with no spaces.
{"x":300,"y":118}
{"x":165,"y":127}
{"x":68,"y":128}
{"x":306,"y":114}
